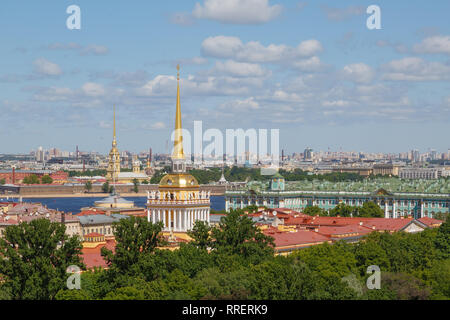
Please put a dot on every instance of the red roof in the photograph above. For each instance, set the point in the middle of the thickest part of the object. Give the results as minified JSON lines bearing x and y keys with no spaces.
{"x":430,"y":221}
{"x":90,"y":212}
{"x":344,"y":230}
{"x":300,"y":237}
{"x":92,"y":256}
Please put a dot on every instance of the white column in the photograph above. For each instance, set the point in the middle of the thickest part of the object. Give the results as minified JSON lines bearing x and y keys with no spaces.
{"x":207,"y":215}
{"x":148,"y":214}
{"x":394,"y":212}
{"x":184,"y":220}
{"x":421,"y":210}
{"x":175,"y":220}
{"x":386,"y":211}
{"x":170,"y":220}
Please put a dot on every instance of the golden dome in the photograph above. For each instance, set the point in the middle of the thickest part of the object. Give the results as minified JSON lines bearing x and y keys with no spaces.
{"x":178,"y":180}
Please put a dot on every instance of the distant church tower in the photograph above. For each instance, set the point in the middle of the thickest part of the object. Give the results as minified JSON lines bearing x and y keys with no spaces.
{"x":178,"y":203}
{"x":114,"y":157}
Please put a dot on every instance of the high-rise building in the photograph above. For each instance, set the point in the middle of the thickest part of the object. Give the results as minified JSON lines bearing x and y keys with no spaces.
{"x":308,"y":154}
{"x":40,"y":155}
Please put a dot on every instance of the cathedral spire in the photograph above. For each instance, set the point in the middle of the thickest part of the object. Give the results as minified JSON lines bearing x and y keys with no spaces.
{"x":114,"y":143}
{"x":178,"y":152}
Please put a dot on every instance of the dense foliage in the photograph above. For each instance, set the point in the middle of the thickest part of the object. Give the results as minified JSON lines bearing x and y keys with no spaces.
{"x":234,"y":260}
{"x":33,"y":259}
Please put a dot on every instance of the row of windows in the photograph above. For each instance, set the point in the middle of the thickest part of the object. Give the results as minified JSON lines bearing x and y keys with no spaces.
{"x":400,"y":203}
{"x":101,"y":230}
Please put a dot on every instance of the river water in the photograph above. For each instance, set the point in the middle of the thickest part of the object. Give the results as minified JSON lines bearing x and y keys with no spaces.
{"x":75,"y":204}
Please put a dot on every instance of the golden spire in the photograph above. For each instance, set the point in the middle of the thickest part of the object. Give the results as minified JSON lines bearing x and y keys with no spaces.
{"x":114,"y":143}
{"x":178,"y":152}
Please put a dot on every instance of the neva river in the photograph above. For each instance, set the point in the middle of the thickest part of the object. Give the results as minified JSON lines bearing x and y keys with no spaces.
{"x":75,"y":204}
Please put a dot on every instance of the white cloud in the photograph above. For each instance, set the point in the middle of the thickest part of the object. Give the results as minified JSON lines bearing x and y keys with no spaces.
{"x":237,"y":11}
{"x":416,"y":69}
{"x":45,"y":67}
{"x":253,"y":51}
{"x":93,"y":89}
{"x":239,"y":69}
{"x":358,"y":72}
{"x":434,"y":44}
{"x":310,"y":64}
{"x":53,"y":94}
{"x":241,"y":105}
{"x":165,"y":86}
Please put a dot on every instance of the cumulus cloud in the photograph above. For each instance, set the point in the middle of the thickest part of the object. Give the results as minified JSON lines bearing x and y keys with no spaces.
{"x":93,"y":89}
{"x":237,"y":11}
{"x":310,"y":64}
{"x":253,"y":51}
{"x":44,"y":67}
{"x":358,"y":72}
{"x":434,"y":44}
{"x":239,"y":69}
{"x":416,"y":69}
{"x":241,"y":105}
{"x":165,"y":86}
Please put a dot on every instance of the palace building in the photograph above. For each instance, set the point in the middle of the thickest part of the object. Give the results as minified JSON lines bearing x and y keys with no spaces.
{"x":395,"y":204}
{"x":178,"y":202}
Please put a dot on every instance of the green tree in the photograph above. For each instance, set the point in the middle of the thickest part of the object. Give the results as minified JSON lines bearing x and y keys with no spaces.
{"x":200,"y":234}
{"x":237,"y":234}
{"x":442,"y":241}
{"x":135,"y":237}
{"x":72,"y":295}
{"x":34,"y":257}
{"x":136,"y":185}
{"x":370,"y":210}
{"x":315,"y":211}
{"x":31,"y":179}
{"x":106,"y":188}
{"x":46,"y":179}
{"x":2,"y":181}
{"x":344,"y":210}
{"x":88,"y":186}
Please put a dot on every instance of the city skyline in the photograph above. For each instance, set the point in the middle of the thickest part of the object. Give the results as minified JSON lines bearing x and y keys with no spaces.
{"x":334,"y":84}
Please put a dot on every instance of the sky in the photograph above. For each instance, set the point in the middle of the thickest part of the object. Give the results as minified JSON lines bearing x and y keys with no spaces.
{"x":312,"y":69}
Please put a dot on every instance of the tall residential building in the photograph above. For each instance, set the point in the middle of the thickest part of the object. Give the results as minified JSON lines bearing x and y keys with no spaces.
{"x":308,"y":154}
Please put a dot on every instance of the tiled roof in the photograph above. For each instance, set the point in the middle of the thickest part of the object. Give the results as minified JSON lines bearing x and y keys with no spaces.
{"x":430,"y":221}
{"x":300,"y":237}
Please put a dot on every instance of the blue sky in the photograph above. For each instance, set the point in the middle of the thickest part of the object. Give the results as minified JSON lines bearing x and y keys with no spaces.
{"x":309,"y":68}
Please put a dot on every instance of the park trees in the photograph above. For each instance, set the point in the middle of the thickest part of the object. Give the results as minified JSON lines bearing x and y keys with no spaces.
{"x":237,"y":234}
{"x":34,"y":257}
{"x":46,"y":179}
